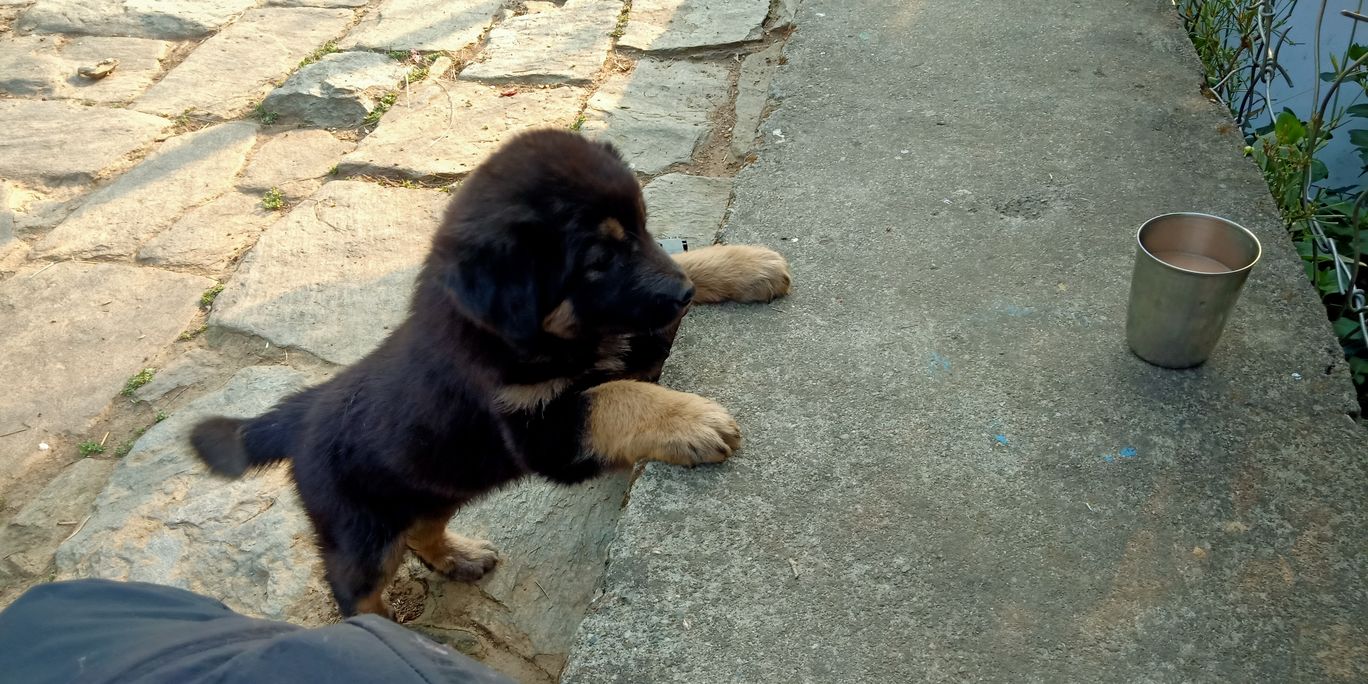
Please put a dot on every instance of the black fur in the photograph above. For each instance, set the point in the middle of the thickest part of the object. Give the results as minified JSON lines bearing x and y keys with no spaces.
{"x":415,"y":430}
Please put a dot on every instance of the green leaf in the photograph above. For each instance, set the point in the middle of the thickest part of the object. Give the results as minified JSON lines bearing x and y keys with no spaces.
{"x":1328,"y":76}
{"x":1289,"y":128}
{"x":1359,"y":367}
{"x":1347,"y":328}
{"x":1360,"y":110}
{"x":1356,"y":51}
{"x":1318,"y":171}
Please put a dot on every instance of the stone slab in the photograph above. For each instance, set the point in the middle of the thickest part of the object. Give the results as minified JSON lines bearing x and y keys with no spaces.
{"x":752,"y":94}
{"x":663,"y":25}
{"x":659,"y":112}
{"x":568,"y":44}
{"x":294,"y":162}
{"x":210,"y":236}
{"x":47,"y":519}
{"x":337,"y":91}
{"x":132,"y":18}
{"x":447,"y":129}
{"x":553,"y":542}
{"x":227,"y":75}
{"x":163,"y":518}
{"x":316,"y":3}
{"x":423,"y":25}
{"x":184,"y":172}
{"x":334,"y":276}
{"x":45,"y":66}
{"x":33,"y":209}
{"x":680,"y":206}
{"x":187,"y":369}
{"x":74,"y":332}
{"x":954,"y":469}
{"x":57,"y":143}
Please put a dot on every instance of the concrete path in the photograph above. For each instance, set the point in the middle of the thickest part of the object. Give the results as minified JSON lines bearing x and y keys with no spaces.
{"x":954,"y":469}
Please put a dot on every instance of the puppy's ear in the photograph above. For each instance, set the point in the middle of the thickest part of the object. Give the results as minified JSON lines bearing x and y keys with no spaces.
{"x":612,"y":149}
{"x":495,"y":284}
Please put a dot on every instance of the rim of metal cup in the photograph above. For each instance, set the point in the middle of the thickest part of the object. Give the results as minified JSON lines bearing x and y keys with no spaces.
{"x":1258,"y":246}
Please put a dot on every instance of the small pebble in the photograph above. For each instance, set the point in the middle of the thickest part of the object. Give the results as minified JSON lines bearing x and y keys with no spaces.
{"x":1296,"y":376}
{"x":101,"y":69}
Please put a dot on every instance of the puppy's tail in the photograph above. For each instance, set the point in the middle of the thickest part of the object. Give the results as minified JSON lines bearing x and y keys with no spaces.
{"x":232,"y":446}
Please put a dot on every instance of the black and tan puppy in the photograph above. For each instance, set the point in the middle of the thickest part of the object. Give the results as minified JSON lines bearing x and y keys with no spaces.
{"x":538,"y":323}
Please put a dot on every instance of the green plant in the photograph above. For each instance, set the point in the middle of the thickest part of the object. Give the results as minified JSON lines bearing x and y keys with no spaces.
{"x":142,"y":377}
{"x":326,"y":49}
{"x":622,"y":20}
{"x":123,"y":449}
{"x":207,"y":299}
{"x":383,"y":105}
{"x":266,"y":117}
{"x":1327,"y":224}
{"x":161,"y":415}
{"x":273,"y":200}
{"x":579,"y":123}
{"x":89,"y":448}
{"x":191,"y":333}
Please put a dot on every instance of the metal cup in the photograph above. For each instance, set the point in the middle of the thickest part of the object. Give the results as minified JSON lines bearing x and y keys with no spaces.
{"x":1189,"y":269}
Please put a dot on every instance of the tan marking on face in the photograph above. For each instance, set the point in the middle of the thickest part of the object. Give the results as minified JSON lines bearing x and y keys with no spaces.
{"x":561,"y":322}
{"x":633,"y":421}
{"x":511,"y":398}
{"x":613,"y":229}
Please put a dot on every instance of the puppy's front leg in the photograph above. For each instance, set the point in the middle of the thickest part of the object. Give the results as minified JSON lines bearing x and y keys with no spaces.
{"x":628,"y":421}
{"x":735,"y":273}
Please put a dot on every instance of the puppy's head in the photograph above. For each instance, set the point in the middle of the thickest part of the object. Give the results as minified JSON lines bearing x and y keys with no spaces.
{"x":546,"y":240}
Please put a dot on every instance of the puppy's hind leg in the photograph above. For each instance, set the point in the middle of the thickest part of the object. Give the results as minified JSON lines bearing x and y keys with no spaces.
{"x":735,"y":273}
{"x":457,"y":557}
{"x":359,"y":560}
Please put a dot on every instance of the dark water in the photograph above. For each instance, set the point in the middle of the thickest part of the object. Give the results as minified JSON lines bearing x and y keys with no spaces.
{"x":1298,"y":57}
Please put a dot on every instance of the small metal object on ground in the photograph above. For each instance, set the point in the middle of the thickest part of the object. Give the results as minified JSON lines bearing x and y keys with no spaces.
{"x":673,"y":245}
{"x":99,"y":70}
{"x":1189,"y":269}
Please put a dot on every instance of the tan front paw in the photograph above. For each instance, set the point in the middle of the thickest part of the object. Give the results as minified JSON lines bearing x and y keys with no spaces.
{"x":736,"y":273}
{"x":636,"y":421}
{"x":460,"y":558}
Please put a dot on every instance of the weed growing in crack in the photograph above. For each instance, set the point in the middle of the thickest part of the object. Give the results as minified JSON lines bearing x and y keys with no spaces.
{"x":273,"y":200}
{"x":207,"y":299}
{"x":143,"y":377}
{"x":327,"y":49}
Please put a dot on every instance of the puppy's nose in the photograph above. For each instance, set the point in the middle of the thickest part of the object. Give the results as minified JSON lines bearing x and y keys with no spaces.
{"x":687,"y":296}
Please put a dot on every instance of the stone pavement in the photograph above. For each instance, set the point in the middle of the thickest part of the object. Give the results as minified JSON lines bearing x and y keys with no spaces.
{"x":238,"y":208}
{"x":954,"y":469}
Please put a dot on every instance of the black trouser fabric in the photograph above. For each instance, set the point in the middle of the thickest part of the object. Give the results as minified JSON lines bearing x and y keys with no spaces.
{"x":103,"y":631}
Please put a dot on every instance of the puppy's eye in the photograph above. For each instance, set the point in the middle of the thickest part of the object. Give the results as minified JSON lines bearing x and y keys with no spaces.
{"x":598,"y":260}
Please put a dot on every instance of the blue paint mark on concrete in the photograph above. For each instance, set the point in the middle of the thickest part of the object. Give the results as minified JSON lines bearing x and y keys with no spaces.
{"x":1128,"y":452}
{"x":1001,"y":439}
{"x":939,"y":363}
{"x":1014,"y":310}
